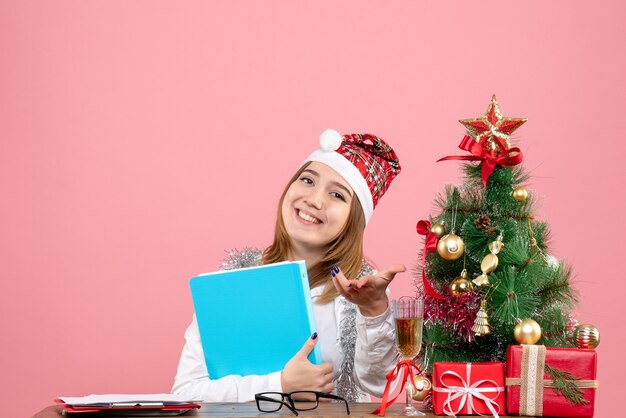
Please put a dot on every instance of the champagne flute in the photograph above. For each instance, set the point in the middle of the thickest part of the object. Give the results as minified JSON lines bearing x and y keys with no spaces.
{"x":409,"y":317}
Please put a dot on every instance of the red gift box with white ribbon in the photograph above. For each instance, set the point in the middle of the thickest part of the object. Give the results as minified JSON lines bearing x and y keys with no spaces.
{"x":532,"y":390}
{"x":468,"y":389}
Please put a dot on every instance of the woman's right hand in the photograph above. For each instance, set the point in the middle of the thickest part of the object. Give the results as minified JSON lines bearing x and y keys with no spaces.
{"x":300,"y":374}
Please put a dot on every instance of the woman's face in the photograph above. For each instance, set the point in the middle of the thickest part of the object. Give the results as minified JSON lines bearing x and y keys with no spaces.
{"x":316,"y":207}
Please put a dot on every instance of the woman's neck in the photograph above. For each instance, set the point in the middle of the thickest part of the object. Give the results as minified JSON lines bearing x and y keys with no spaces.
{"x":310,"y":256}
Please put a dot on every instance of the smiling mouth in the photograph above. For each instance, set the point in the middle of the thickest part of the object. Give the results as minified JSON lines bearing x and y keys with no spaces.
{"x":307,"y":217}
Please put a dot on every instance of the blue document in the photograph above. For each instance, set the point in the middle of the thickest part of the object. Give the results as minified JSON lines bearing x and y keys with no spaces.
{"x":253,"y":320}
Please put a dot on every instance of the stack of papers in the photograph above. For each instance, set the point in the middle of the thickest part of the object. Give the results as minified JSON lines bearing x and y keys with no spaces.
{"x":163,"y":404}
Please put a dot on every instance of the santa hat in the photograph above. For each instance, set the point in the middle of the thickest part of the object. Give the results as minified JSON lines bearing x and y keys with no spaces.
{"x":365,"y":161}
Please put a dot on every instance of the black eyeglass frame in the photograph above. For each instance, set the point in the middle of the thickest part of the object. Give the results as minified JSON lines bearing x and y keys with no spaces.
{"x":292,"y":405}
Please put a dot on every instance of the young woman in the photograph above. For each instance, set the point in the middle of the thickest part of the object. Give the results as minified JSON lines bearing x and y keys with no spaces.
{"x":321,"y":218}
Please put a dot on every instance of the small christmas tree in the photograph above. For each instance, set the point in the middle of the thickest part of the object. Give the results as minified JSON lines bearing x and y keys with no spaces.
{"x":486,"y":265}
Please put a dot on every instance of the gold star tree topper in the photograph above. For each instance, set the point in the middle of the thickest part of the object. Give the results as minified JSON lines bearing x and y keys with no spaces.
{"x":493,"y":130}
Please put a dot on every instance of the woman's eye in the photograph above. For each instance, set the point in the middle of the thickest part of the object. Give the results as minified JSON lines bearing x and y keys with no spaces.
{"x":338,"y":196}
{"x":306,"y":180}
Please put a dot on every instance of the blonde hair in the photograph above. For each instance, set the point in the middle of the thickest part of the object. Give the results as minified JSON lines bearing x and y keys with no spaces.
{"x":344,"y":251}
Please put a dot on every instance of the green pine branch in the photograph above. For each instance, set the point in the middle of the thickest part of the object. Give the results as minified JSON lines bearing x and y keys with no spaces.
{"x":565,"y":384}
{"x":446,"y":202}
{"x":555,"y":287}
{"x":516,"y":250}
{"x":553,"y":322}
{"x":513,"y":297}
{"x":542,"y":234}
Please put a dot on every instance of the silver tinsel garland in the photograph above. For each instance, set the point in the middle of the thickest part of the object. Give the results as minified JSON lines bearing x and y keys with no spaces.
{"x":248,"y":257}
{"x":345,"y":385}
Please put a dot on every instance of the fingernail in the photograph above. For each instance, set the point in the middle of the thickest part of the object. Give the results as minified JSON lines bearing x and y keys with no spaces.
{"x":314,"y":336}
{"x":335,"y":271}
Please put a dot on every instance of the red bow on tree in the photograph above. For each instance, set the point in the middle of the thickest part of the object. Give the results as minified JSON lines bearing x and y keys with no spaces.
{"x":509,"y":157}
{"x":430,"y":246}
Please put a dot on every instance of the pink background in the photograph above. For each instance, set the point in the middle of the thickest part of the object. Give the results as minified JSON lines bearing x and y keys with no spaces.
{"x":140,"y":139}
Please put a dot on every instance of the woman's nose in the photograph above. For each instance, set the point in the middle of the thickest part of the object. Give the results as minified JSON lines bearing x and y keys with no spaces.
{"x":315,"y":199}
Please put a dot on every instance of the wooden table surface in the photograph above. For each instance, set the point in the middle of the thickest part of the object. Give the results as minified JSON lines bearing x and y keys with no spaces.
{"x":249,"y":409}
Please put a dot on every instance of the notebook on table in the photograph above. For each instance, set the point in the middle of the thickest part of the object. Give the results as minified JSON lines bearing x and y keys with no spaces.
{"x":125,"y":405}
{"x":253,"y":320}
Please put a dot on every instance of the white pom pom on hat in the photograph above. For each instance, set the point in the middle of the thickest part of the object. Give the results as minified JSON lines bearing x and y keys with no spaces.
{"x":330,"y":140}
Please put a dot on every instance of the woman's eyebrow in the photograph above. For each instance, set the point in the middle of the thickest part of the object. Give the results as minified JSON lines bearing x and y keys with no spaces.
{"x":341,"y":186}
{"x":315,"y":173}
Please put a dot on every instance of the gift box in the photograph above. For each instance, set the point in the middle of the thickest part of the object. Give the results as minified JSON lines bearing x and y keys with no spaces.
{"x":534,"y":372}
{"x":468,"y":389}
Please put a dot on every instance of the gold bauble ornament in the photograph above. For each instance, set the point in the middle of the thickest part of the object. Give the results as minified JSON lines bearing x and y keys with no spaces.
{"x":421,"y":388}
{"x":527,"y":331}
{"x":586,"y":336}
{"x":520,"y":194}
{"x":438,"y":230}
{"x":461,"y":285}
{"x":450,"y":247}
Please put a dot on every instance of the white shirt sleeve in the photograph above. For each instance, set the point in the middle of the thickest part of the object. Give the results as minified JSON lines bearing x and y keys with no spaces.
{"x":375,"y":351}
{"x":193,"y":380}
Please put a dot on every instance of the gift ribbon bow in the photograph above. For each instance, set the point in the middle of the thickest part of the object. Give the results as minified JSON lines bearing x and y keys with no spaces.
{"x":509,"y":157}
{"x":406,"y":367}
{"x":430,"y":246}
{"x":467,"y":393}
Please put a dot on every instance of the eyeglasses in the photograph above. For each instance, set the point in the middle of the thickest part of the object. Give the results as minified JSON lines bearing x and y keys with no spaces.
{"x":301,"y":400}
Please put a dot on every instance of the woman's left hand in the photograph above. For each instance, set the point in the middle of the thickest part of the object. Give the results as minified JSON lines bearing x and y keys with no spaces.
{"x":369,"y":292}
